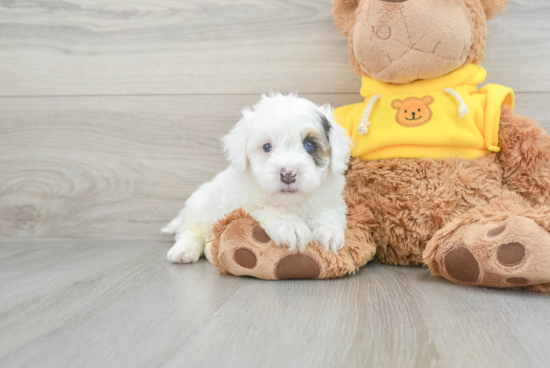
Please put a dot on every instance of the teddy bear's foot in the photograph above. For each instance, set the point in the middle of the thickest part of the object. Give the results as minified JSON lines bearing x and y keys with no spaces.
{"x":242,"y":248}
{"x":245,"y":249}
{"x":514,"y":252}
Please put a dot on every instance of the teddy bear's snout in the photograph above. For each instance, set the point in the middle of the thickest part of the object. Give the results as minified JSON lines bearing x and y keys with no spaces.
{"x":393,"y":43}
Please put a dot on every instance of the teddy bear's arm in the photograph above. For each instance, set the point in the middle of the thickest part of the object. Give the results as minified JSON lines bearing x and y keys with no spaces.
{"x":242,"y":248}
{"x":525,"y":157}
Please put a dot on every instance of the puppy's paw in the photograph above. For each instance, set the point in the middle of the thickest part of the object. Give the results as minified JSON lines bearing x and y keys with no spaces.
{"x":208,"y":252}
{"x":183,"y":252}
{"x":330,"y":236}
{"x":293,"y":234}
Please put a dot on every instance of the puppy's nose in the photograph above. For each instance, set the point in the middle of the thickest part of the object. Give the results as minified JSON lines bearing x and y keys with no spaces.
{"x":288,"y":176}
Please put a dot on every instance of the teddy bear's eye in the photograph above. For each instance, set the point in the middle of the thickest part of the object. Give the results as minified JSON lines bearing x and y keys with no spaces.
{"x":418,"y":110}
{"x":405,"y":111}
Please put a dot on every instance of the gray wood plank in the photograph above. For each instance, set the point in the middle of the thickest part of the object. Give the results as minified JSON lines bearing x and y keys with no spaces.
{"x":119,"y":303}
{"x":109,"y":167}
{"x":219,"y":47}
{"x":121,"y":167}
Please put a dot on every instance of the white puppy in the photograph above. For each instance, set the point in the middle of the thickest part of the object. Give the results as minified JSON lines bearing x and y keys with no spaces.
{"x":288,"y":159}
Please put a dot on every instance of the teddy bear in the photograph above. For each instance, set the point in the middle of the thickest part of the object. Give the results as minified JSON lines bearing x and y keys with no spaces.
{"x":412,"y":112}
{"x":443,"y":174}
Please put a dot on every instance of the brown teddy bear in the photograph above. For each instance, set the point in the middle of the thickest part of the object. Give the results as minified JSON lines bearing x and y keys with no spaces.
{"x":443,"y":174}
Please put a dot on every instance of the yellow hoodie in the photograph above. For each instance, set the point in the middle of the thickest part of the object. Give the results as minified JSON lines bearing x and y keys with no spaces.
{"x":442,"y":117}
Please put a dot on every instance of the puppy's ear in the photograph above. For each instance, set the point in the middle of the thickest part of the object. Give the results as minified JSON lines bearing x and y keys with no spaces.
{"x":340,"y":141}
{"x":343,"y":13}
{"x":493,"y":6}
{"x":234,"y":143}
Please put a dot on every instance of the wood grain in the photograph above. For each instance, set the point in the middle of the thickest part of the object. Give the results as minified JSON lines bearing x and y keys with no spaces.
{"x":120,"y":304}
{"x":120,"y":167}
{"x":110,"y":117}
{"x":117,"y":167}
{"x":109,"y":167}
{"x":144,"y":47}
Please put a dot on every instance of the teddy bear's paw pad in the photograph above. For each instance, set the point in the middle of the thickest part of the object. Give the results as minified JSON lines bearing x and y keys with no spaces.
{"x":297,"y":266}
{"x":494,"y":232}
{"x":461,"y":265}
{"x":260,"y":236}
{"x":510,"y":254}
{"x":245,"y":249}
{"x":245,"y":258}
{"x":518,"y":281}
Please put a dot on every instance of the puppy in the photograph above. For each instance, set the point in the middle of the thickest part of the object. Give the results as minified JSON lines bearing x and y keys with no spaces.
{"x":288,"y":159}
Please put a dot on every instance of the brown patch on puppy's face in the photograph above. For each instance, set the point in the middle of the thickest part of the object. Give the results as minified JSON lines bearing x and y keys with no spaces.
{"x":317,"y":145}
{"x":413,"y":112}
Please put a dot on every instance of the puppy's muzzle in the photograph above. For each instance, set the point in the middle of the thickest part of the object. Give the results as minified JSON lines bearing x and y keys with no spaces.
{"x":288,"y":176}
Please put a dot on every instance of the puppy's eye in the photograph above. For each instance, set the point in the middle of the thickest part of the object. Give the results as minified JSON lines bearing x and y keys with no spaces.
{"x":268,"y":147}
{"x":406,"y":111}
{"x":418,"y":110}
{"x":309,"y":146}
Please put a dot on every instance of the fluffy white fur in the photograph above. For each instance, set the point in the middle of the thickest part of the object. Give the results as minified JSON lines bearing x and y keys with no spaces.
{"x":310,"y":209}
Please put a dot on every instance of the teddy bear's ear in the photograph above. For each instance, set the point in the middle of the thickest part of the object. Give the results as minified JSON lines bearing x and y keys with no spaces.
{"x":428,"y":100}
{"x":493,"y":6}
{"x":397,"y":104}
{"x":343,"y":13}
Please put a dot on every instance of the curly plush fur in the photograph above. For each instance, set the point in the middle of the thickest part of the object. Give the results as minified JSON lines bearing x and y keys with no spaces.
{"x":357,"y":251}
{"x":525,"y":158}
{"x":491,"y":214}
{"x":507,"y":206}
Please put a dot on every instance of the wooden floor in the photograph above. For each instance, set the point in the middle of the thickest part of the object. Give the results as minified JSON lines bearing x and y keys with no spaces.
{"x":119,"y":304}
{"x":110,"y":116}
